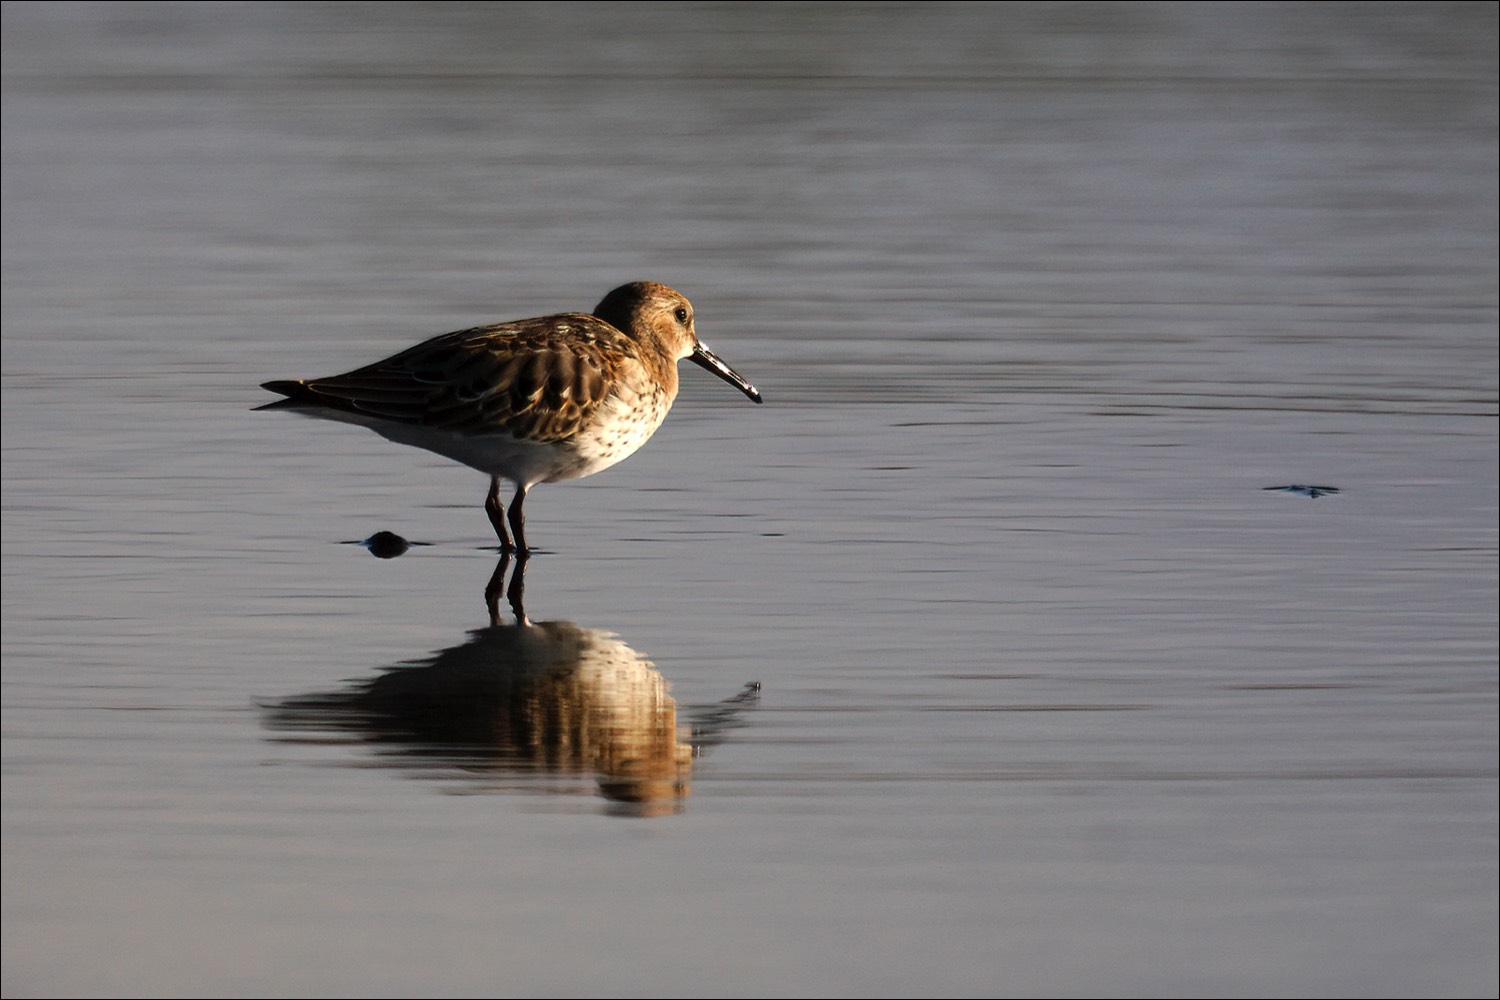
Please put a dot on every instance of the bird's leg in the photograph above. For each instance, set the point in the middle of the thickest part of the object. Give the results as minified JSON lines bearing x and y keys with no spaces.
{"x":496,"y":512}
{"x":518,"y":522}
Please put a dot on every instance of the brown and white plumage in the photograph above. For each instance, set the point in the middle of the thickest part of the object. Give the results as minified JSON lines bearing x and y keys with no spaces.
{"x":530,"y":401}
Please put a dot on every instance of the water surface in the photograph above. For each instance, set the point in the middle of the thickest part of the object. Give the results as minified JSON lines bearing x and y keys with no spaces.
{"x":1055,"y":698}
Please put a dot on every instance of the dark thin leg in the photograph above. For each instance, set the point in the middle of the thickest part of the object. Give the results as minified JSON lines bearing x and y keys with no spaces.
{"x":493,"y":508}
{"x":518,"y":523}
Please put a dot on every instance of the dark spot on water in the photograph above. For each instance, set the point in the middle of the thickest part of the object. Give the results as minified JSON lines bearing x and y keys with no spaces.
{"x":386,"y":544}
{"x":1311,"y":492}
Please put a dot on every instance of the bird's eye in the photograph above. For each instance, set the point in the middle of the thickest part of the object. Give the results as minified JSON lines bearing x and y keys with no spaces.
{"x":681,"y":314}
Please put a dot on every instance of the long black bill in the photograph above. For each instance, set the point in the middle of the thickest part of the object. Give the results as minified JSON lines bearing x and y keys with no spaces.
{"x":704,"y":358}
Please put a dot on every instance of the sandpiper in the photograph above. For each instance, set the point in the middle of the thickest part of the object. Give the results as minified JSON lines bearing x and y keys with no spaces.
{"x":530,"y":401}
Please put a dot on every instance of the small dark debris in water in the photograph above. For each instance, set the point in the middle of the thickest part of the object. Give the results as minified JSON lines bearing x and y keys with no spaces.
{"x":386,"y":544}
{"x":1311,"y":492}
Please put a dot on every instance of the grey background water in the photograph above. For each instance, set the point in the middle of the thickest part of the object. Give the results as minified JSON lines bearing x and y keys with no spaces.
{"x":1056,"y":698}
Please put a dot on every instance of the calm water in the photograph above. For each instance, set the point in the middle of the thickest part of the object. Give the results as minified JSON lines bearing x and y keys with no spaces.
{"x":1055,"y":698}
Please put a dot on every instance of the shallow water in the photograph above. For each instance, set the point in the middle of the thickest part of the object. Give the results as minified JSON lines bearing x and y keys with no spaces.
{"x":1055,"y":698}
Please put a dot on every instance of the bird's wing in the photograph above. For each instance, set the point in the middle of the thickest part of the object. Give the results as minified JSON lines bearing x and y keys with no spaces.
{"x":537,"y":379}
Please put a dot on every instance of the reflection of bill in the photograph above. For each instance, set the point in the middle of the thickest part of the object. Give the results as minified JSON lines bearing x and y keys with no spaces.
{"x":540,"y":700}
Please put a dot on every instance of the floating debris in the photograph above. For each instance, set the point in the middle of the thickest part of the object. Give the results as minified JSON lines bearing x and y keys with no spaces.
{"x":1311,"y":492}
{"x":386,"y":544}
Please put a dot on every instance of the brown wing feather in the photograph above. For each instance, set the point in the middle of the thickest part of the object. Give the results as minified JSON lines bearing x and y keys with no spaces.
{"x":539,"y":379}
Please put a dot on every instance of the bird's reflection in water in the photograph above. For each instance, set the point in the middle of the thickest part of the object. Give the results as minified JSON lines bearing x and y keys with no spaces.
{"x":529,"y":705}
